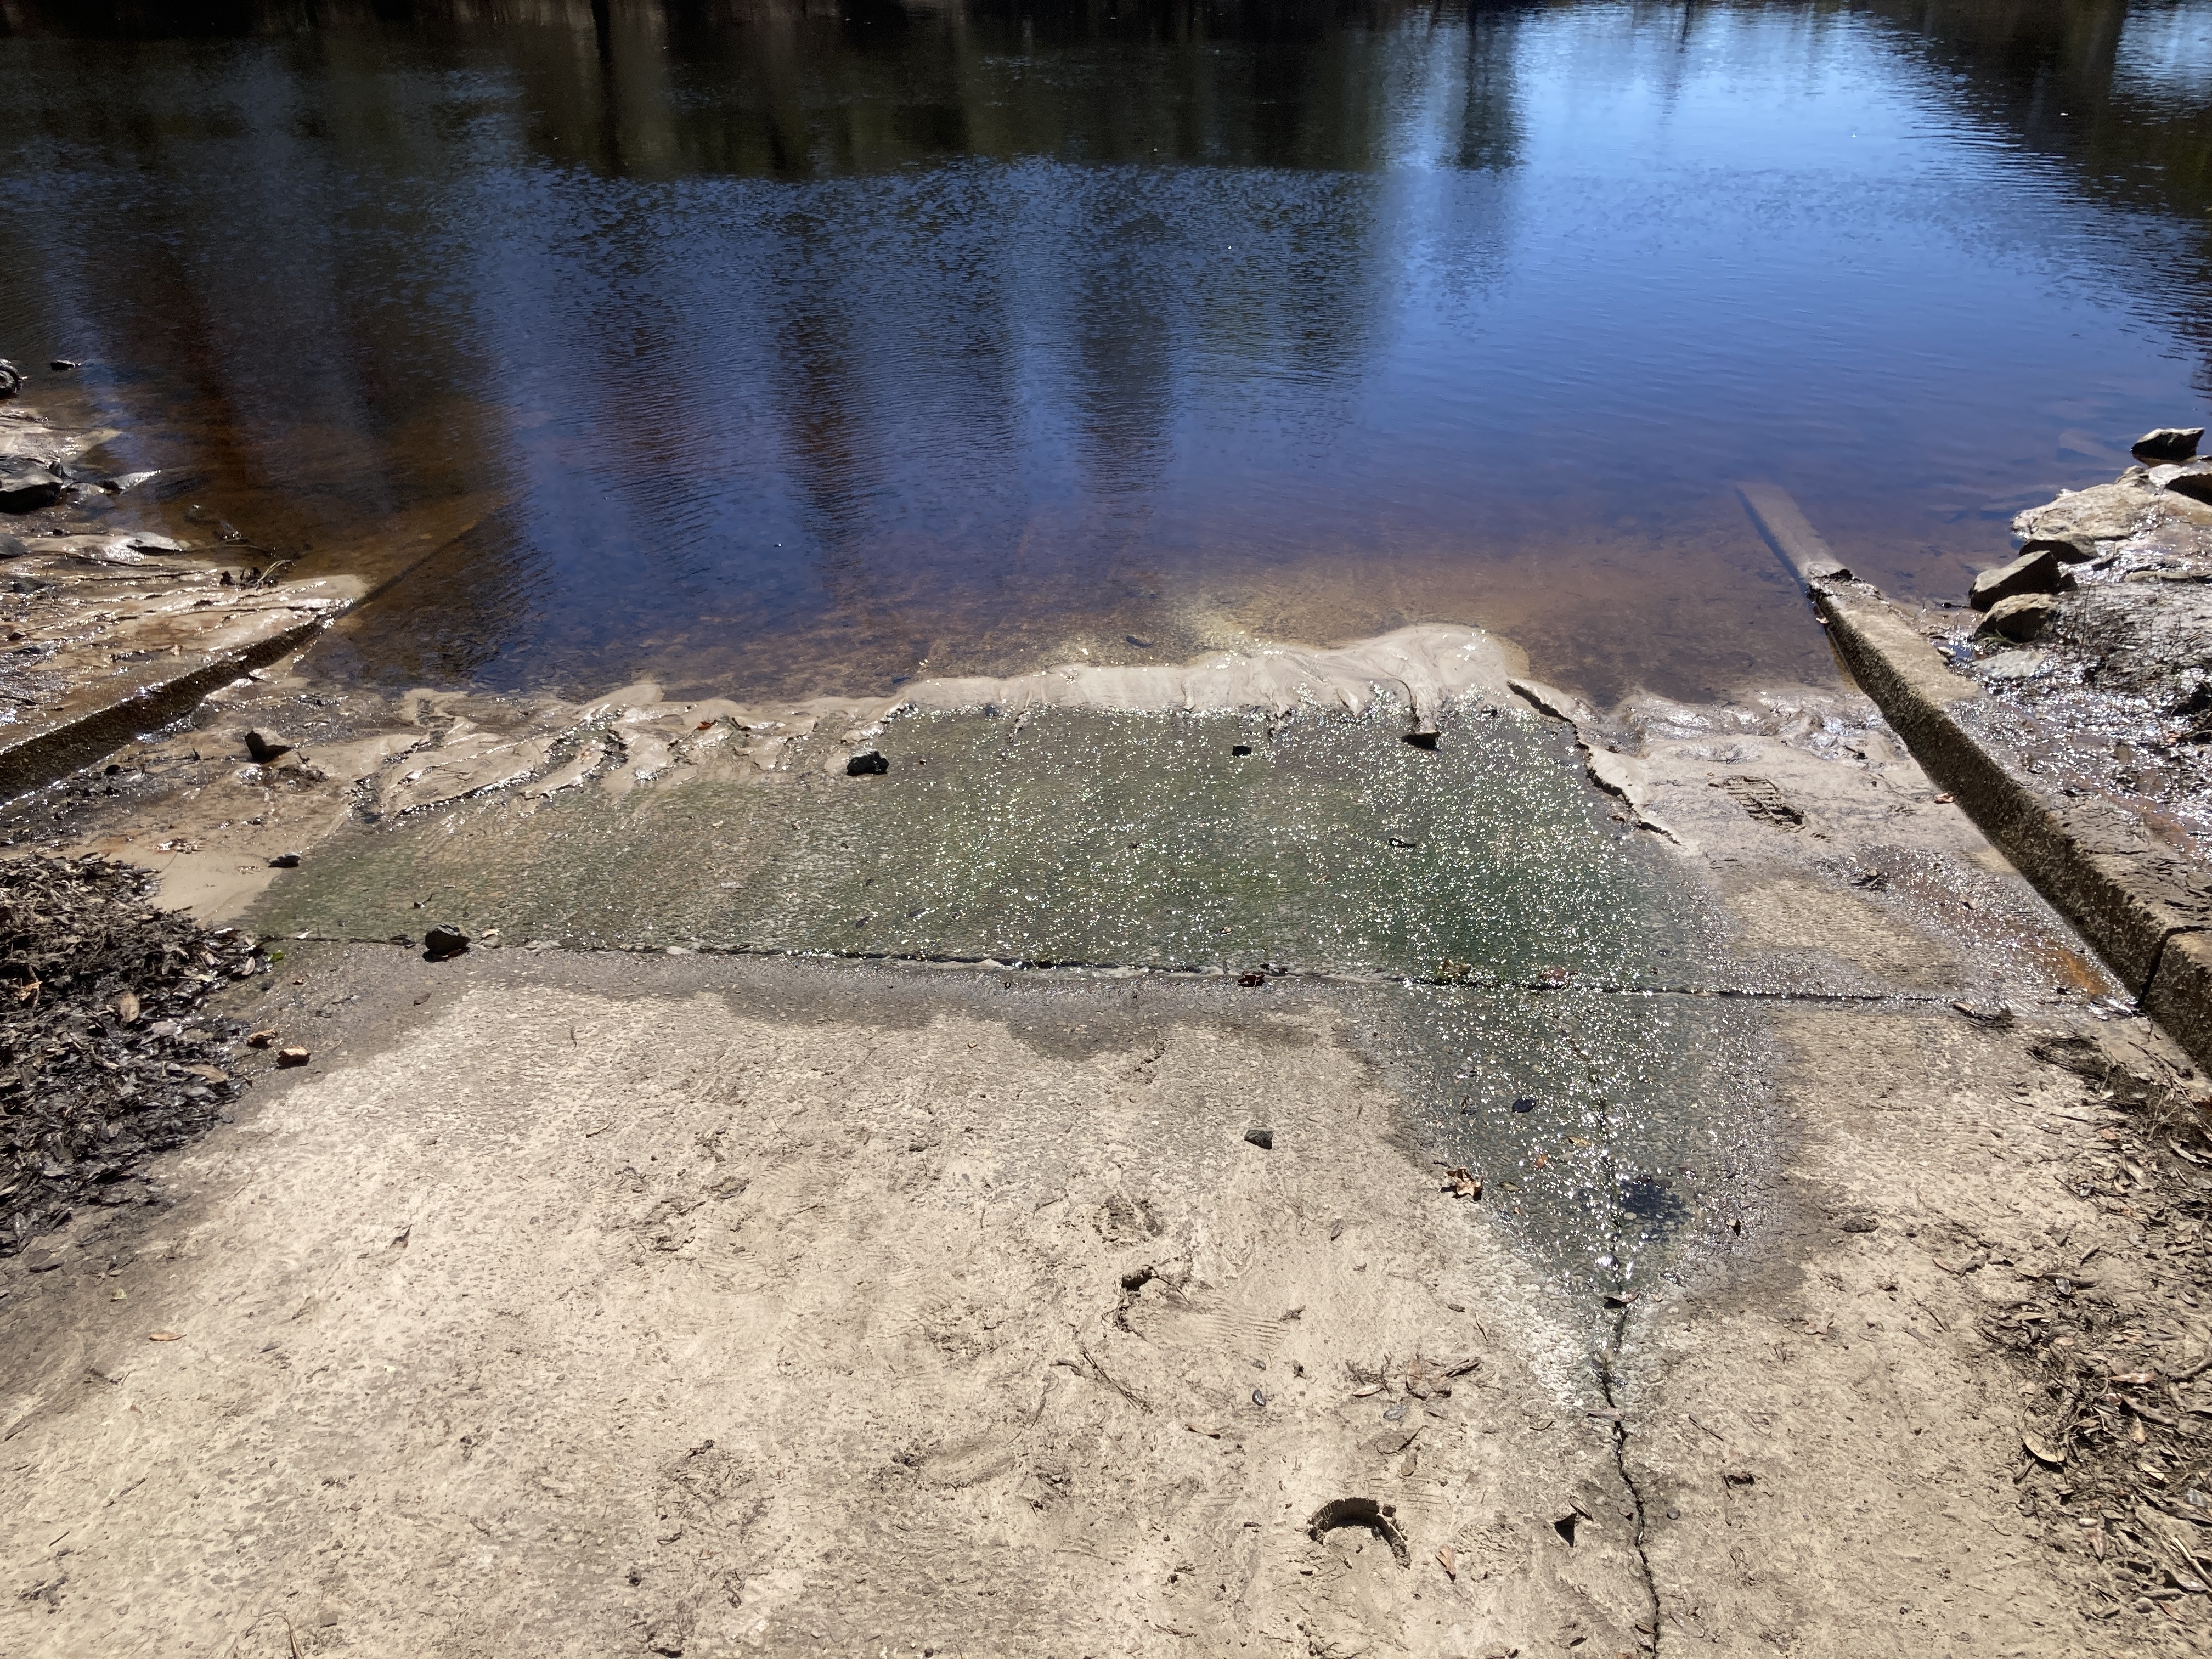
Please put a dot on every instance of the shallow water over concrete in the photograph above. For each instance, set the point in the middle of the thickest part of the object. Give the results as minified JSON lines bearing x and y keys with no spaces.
{"x":1537,"y":974}
{"x":757,"y":347}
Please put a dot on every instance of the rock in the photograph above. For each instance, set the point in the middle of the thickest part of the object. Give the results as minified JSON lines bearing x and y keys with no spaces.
{"x":27,"y":485}
{"x":11,"y":547}
{"x":866,"y":763}
{"x":122,"y":481}
{"x":2031,"y":573}
{"x":11,"y":379}
{"x":2168,"y":443}
{"x":2020,"y":617}
{"x":2100,"y":513}
{"x":2066,"y":549}
{"x":145,"y":544}
{"x":265,"y":746}
{"x":1860,"y":1224}
{"x":62,"y":364}
{"x":41,"y":1261}
{"x":293,"y":1056}
{"x":2194,"y":481}
{"x":445,"y":940}
{"x":285,"y":861}
{"x":2016,"y":666}
{"x":1263,"y":1138}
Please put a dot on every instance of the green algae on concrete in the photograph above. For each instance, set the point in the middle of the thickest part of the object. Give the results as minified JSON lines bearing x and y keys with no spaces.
{"x":1062,"y":835}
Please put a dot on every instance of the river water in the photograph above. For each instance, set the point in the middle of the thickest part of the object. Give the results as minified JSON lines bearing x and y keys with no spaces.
{"x":780,"y":348}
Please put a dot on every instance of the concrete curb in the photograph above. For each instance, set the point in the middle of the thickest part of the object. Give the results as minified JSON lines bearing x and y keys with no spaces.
{"x":43,"y":754}
{"x":2143,"y":904}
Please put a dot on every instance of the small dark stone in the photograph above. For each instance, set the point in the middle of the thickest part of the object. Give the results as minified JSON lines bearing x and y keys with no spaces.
{"x":2168,"y":443}
{"x":2031,"y":573}
{"x":1423,"y":740}
{"x":11,"y":547}
{"x":444,"y":941}
{"x":41,"y":1261}
{"x":866,"y":763}
{"x":265,"y":746}
{"x":1263,"y":1138}
{"x":285,"y":861}
{"x":1526,"y":1103}
{"x":27,"y":485}
{"x":1141,"y":645}
{"x":1860,"y":1224}
{"x":1240,"y":749}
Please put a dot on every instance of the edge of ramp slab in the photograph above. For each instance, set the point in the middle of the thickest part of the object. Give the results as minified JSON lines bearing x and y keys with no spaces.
{"x":2143,"y":905}
{"x":121,"y":710}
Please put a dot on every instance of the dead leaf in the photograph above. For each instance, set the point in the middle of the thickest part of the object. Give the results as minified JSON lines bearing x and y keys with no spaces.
{"x":2042,"y":1452}
{"x":1462,"y":1183}
{"x":262,"y":1039}
{"x":126,"y":1007}
{"x":2135,"y":1377}
{"x":212,"y":1073}
{"x":1362,"y":1393}
{"x":1542,"y":1161}
{"x":1448,"y":1561}
{"x":165,"y":1336}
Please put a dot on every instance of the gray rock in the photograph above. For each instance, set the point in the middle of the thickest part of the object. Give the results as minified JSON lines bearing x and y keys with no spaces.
{"x":27,"y":485}
{"x":2068,"y":550}
{"x":265,"y":746}
{"x":1263,"y":1138}
{"x":866,"y":763}
{"x":285,"y":861}
{"x":2100,"y":513}
{"x":445,"y":940}
{"x":11,"y":379}
{"x":2031,"y":573}
{"x":2194,"y":481}
{"x":2020,"y":617}
{"x":2168,"y":443}
{"x":11,"y":547}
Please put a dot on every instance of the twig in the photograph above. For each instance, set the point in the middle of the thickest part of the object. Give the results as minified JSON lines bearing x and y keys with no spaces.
{"x":1108,"y":1378}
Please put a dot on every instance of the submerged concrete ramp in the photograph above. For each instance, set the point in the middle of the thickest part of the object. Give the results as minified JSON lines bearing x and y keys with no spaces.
{"x":1082,"y":1189}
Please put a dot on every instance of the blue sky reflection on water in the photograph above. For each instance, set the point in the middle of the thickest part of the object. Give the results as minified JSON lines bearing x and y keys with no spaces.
{"x":763,"y":351}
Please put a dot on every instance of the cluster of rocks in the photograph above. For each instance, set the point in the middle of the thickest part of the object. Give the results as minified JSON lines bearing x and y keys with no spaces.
{"x":2017,"y":600}
{"x":107,"y":1053}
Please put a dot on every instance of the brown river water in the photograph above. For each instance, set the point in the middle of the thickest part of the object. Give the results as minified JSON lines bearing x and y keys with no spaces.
{"x":770,"y":348}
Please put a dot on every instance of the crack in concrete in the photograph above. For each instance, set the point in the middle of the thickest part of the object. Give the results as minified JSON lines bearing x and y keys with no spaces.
{"x":1606,"y":1357}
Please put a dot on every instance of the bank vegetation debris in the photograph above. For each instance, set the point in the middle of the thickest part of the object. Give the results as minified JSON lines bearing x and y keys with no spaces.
{"x":105,"y":1055}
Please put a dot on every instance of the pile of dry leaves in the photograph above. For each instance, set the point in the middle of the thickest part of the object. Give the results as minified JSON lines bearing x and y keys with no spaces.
{"x":105,"y":1055}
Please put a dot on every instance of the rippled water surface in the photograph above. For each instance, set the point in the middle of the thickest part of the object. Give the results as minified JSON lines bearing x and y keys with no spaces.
{"x":782,"y":347}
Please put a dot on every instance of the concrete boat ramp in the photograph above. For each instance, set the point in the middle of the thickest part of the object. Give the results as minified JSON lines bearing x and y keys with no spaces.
{"x":1309,"y":1153}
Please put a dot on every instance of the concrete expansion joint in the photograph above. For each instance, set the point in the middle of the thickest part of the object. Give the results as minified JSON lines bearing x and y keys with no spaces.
{"x":1253,"y":980}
